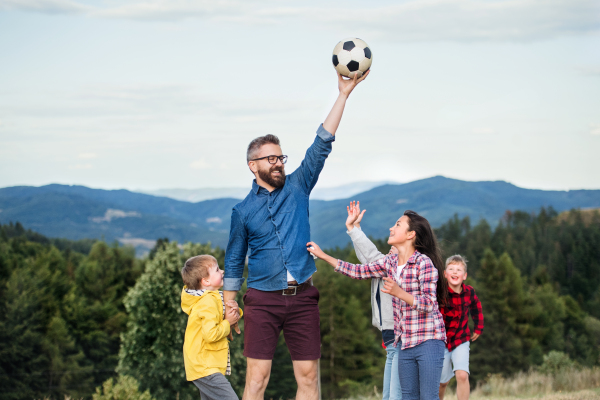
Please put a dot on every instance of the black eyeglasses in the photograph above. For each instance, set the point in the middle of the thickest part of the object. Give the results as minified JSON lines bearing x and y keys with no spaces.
{"x":273,"y":159}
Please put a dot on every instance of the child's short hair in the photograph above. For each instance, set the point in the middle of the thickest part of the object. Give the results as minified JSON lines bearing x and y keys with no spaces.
{"x":195,"y":269}
{"x":457,"y":259}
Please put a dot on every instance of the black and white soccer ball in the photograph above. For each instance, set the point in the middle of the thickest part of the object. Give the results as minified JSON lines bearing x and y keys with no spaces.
{"x":351,"y":57}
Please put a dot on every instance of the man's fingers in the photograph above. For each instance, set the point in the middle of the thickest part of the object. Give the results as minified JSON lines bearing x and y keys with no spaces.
{"x":364,"y":76}
{"x":237,"y":329}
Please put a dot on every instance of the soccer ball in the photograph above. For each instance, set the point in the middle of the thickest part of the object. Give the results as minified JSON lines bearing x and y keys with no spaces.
{"x":351,"y":57}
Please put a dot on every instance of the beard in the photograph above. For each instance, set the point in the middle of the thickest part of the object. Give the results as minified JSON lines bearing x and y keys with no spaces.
{"x":275,"y":181}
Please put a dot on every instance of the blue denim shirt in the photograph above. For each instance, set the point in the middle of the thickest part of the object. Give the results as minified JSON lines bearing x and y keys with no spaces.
{"x":275,"y":227}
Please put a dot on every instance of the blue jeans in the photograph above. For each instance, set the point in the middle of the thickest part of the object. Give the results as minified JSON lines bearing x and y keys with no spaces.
{"x":420,"y":369}
{"x":391,"y":378}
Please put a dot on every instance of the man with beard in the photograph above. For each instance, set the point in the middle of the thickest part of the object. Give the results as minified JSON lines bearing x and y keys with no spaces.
{"x":272,"y":221}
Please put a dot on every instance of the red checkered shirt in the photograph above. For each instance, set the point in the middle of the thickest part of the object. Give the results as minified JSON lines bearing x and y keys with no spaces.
{"x":412,"y":324}
{"x":456,"y":316}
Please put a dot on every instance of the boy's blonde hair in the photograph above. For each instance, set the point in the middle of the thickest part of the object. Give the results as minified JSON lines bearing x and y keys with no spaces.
{"x":197,"y":268}
{"x":457,"y":259}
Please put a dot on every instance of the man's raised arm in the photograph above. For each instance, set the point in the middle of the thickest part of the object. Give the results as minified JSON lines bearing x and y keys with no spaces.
{"x":346,"y":86}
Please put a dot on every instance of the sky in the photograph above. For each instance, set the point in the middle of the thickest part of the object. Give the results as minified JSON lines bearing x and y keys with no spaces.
{"x":146,"y":95}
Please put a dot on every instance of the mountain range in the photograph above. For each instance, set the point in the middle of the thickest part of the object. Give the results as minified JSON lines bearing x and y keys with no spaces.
{"x":195,"y":195}
{"x":138,"y":219}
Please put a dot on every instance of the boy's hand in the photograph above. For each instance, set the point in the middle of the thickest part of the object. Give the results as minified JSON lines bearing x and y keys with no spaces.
{"x":354,"y":215}
{"x":232,"y":316}
{"x":346,"y":86}
{"x":233,"y":305}
{"x":474,"y":337}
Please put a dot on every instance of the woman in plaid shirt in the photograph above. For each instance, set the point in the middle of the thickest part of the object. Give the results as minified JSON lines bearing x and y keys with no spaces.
{"x":415,"y":278}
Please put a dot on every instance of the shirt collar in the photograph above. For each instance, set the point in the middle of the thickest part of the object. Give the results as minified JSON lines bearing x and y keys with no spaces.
{"x":413,"y":258}
{"x":463,"y":288}
{"x":255,"y":187}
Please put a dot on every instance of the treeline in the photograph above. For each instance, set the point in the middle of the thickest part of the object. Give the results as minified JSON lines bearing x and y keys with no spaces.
{"x":74,"y":314}
{"x":61,"y":313}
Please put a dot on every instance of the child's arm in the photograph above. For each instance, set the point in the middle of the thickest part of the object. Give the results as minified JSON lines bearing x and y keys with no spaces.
{"x":477,"y":315}
{"x":213,"y":328}
{"x":376,"y":269}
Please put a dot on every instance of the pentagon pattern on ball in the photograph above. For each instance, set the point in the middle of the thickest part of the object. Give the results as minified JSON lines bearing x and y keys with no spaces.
{"x":351,"y":57}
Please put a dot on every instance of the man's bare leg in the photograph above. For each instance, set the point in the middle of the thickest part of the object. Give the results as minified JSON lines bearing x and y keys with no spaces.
{"x":257,"y":378}
{"x":443,"y":387}
{"x":463,"y":388}
{"x":307,"y":379}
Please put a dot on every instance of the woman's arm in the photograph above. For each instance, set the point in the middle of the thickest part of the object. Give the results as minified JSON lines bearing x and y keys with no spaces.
{"x":376,"y":269}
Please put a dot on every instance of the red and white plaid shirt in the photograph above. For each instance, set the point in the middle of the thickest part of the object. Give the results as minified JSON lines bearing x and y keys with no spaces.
{"x":412,"y":324}
{"x":456,"y":316}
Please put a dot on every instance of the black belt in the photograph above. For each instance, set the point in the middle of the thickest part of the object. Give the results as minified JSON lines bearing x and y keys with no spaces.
{"x":294,"y":288}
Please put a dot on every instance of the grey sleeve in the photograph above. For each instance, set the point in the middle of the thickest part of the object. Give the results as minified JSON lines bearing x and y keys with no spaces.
{"x":364,"y":248}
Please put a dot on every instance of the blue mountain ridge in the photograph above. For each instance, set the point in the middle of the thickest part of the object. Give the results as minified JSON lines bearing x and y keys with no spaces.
{"x":77,"y":212}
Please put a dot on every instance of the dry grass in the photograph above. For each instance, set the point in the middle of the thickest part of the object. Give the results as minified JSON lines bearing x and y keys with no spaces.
{"x":570,"y":383}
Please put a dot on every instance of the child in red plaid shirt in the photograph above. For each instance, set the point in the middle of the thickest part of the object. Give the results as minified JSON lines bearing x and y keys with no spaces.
{"x":461,"y":300}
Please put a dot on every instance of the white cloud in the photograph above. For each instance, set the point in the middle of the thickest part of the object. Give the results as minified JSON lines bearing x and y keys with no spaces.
{"x":81,"y":166}
{"x":484,"y":131}
{"x":413,"y":20}
{"x":199,"y":164}
{"x":86,"y":156}
{"x":45,"y":6}
{"x":595,"y":129}
{"x":590,"y":70}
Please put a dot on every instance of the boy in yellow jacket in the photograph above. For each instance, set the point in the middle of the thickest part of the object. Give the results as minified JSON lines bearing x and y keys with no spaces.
{"x":205,"y":349}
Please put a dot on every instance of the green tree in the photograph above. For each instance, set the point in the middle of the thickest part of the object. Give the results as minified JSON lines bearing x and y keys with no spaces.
{"x":502,"y":346}
{"x":351,"y":346}
{"x":152,"y":347}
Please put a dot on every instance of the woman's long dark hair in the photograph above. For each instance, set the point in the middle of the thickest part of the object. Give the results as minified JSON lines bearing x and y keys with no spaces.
{"x":426,"y":243}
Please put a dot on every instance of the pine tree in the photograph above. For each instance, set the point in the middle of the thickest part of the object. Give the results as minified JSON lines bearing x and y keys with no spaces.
{"x":502,"y":346}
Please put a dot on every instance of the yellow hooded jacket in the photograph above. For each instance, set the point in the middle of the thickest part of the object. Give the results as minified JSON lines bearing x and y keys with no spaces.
{"x":205,"y":349}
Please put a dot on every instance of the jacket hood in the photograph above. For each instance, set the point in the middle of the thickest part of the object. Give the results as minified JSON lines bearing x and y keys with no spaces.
{"x":188,"y":301}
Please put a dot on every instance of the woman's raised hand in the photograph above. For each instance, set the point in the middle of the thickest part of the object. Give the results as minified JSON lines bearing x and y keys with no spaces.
{"x":354,"y":215}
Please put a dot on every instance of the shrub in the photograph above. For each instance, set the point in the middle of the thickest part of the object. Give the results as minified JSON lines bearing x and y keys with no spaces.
{"x":125,"y":388}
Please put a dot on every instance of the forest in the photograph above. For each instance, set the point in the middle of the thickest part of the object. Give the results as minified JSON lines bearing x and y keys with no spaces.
{"x":75,"y":314}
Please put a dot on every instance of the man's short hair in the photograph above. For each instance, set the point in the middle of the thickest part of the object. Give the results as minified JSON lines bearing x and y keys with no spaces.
{"x":256,"y":144}
{"x":457,"y":259}
{"x":197,"y":268}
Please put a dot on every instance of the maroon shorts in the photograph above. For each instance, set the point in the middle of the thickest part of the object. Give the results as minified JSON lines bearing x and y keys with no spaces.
{"x":267,"y":313}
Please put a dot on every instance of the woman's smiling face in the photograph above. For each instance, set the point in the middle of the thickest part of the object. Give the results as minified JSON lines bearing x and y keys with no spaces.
{"x":399,"y":233}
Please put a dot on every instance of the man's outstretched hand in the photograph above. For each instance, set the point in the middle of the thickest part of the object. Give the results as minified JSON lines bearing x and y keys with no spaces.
{"x":346,"y":86}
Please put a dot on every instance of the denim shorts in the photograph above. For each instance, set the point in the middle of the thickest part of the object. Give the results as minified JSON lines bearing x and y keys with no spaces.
{"x":457,"y":359}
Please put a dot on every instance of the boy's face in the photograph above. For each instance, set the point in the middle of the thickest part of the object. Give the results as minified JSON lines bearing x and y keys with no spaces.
{"x":215,"y":278}
{"x":455,"y":274}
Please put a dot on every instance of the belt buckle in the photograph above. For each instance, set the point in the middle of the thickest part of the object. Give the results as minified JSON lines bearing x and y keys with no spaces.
{"x":289,"y":288}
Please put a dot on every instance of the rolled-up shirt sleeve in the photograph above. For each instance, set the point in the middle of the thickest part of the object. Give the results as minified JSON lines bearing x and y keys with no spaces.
{"x":308,"y":172}
{"x":235,"y":255}
{"x":428,"y":277}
